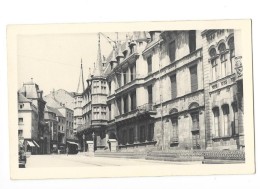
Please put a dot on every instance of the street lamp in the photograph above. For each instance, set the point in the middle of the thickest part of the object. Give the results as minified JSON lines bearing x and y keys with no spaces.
{"x":84,"y":148}
{"x":93,"y":136}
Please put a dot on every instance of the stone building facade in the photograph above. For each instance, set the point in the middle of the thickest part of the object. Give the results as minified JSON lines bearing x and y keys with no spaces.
{"x":224,"y":118}
{"x":27,"y":124}
{"x":90,"y":110}
{"x":166,"y":90}
{"x":31,"y":91}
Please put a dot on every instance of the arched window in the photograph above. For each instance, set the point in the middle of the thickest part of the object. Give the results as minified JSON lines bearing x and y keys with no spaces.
{"x":225,"y":126}
{"x":216,"y":121}
{"x":213,"y":60}
{"x":212,"y":53}
{"x":223,"y":59}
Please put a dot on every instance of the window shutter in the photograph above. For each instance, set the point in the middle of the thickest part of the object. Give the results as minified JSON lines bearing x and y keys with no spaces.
{"x":194,"y":78}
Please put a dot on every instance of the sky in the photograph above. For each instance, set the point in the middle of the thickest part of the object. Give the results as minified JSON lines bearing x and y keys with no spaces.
{"x":53,"y":60}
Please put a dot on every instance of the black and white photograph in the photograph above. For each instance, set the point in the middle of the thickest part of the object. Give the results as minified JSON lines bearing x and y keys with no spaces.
{"x":158,"y":96}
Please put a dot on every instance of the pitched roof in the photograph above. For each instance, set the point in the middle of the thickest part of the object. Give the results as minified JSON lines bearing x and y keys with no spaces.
{"x":54,"y":110}
{"x":22,"y":98}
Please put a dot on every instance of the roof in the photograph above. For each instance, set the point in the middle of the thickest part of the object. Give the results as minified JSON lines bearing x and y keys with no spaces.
{"x":22,"y":98}
{"x":53,"y":110}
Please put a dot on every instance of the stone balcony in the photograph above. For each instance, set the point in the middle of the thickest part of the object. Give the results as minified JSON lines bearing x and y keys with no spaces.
{"x":82,"y":127}
{"x":143,"y":109}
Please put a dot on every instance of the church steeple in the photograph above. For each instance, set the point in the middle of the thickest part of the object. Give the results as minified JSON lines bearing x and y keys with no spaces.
{"x":98,"y":68}
{"x":81,"y":86}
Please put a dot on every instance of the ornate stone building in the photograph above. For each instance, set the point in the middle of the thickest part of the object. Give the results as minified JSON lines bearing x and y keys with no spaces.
{"x":165,"y":90}
{"x":223,"y":89}
{"x":90,"y":117}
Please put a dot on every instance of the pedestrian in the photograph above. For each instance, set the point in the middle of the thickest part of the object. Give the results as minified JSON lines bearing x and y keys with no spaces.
{"x":67,"y":150}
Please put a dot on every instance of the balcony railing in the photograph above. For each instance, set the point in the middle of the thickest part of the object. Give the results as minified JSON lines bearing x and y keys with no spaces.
{"x":146,"y":108}
{"x":82,"y":127}
{"x":133,"y":113}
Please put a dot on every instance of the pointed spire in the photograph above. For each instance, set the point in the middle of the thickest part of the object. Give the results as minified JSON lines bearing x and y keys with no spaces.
{"x":81,"y":86}
{"x":98,"y":69}
{"x":89,"y":73}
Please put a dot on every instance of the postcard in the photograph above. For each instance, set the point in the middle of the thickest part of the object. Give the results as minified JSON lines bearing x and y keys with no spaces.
{"x":130,"y":99}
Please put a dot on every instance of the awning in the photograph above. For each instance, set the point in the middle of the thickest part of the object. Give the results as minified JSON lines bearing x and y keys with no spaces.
{"x":36,"y":144}
{"x":72,"y":142}
{"x":30,"y":144}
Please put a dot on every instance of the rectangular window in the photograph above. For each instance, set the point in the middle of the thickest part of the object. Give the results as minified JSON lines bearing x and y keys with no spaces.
{"x":95,"y":86}
{"x":216,"y":121}
{"x":133,"y":100}
{"x":192,"y":40}
{"x":20,"y":120}
{"x":131,"y":136}
{"x":195,"y":121}
{"x":142,"y":133}
{"x":175,"y":136}
{"x":150,"y":94}
{"x":109,"y":88}
{"x":118,"y":77}
{"x":225,"y":120}
{"x":214,"y":69}
{"x":172,"y":51}
{"x":119,"y":106}
{"x":150,"y":132}
{"x":194,"y":78}
{"x":124,"y":138}
{"x":20,"y":133}
{"x":125,"y":75}
{"x":133,"y":72}
{"x":109,"y":111}
{"x":149,"y":64}
{"x":173,"y":87}
{"x":125,"y":104}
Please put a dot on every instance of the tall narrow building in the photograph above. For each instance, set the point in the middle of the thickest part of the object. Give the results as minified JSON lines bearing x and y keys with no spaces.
{"x":90,"y":105}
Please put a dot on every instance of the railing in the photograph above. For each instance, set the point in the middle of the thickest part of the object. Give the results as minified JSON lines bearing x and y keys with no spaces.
{"x":140,"y":109}
{"x":82,"y":127}
{"x":146,"y":108}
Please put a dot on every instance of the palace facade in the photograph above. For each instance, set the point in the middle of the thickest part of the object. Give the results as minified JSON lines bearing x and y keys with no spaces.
{"x":164,"y":90}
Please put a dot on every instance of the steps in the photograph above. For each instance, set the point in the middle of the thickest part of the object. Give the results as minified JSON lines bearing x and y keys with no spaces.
{"x":130,"y":155}
{"x":203,"y":156}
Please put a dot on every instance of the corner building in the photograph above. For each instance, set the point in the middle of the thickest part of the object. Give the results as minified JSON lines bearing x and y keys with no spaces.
{"x":223,"y":89}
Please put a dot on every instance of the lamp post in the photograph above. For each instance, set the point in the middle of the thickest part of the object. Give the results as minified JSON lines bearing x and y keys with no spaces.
{"x":93,"y":136}
{"x":84,"y":145}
